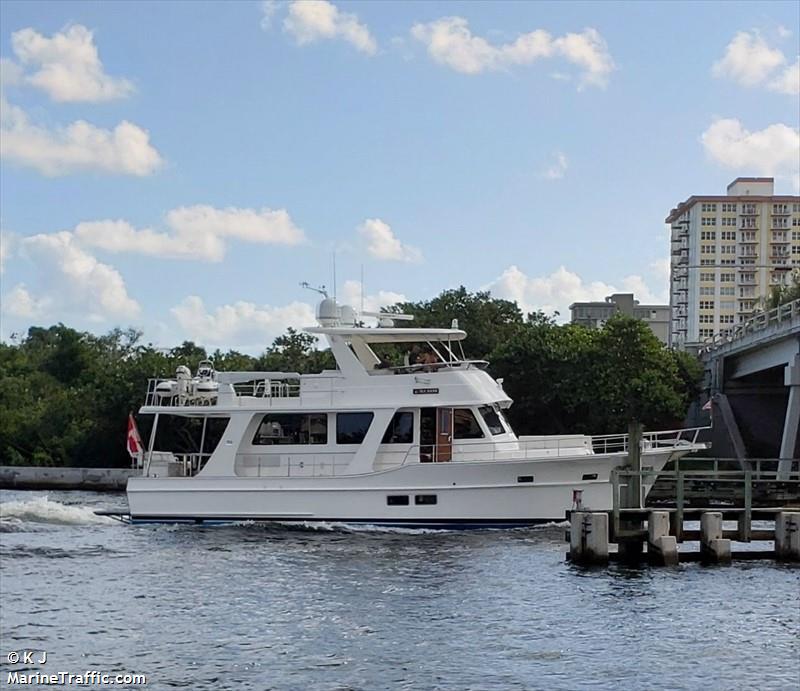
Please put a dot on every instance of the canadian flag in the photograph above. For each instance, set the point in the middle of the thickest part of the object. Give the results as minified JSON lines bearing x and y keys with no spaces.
{"x":135,"y":447}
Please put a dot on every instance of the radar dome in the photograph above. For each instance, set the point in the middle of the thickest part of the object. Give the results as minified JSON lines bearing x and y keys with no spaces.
{"x":347,"y":316}
{"x":328,"y":312}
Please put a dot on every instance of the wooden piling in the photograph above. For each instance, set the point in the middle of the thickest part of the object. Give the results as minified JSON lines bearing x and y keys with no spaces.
{"x":713,"y":547}
{"x":787,"y":536}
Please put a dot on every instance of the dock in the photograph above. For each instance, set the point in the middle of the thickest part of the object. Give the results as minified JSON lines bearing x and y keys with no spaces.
{"x":722,"y":529}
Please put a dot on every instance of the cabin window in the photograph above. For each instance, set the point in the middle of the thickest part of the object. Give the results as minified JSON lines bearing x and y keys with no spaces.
{"x":524,"y":478}
{"x":589,"y":476}
{"x":465,"y":426}
{"x":292,"y":428}
{"x":400,"y":429}
{"x":492,"y":419}
{"x":397,"y":500}
{"x":425,"y":499}
{"x":351,"y":428}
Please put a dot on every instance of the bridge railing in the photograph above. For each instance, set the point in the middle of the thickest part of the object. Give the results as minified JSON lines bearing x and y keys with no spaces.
{"x":759,"y":322}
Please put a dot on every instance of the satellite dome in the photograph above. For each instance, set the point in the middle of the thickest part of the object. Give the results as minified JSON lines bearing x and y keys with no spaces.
{"x":347,"y":316}
{"x":328,"y":312}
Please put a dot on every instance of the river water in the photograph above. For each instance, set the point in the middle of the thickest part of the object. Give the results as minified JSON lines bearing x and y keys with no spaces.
{"x":276,"y":607}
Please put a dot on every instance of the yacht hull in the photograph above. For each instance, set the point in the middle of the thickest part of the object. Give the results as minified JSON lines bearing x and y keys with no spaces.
{"x":435,"y":495}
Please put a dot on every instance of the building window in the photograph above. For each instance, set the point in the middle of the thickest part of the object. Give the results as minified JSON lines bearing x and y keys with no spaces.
{"x":726,"y":319}
{"x":727,"y":290}
{"x":351,"y":428}
{"x":728,"y":234}
{"x":727,"y":305}
{"x":709,"y":207}
{"x":727,"y":278}
{"x":708,"y":249}
{"x":708,"y":235}
{"x":728,"y":249}
{"x":708,"y":221}
{"x":728,"y":207}
{"x":706,"y":304}
{"x":292,"y":428}
{"x":400,"y":429}
{"x":465,"y":426}
{"x":706,"y":262}
{"x":705,"y":276}
{"x":706,"y":333}
{"x":706,"y":318}
{"x":707,"y":290}
{"x":796,"y":208}
{"x":727,"y":262}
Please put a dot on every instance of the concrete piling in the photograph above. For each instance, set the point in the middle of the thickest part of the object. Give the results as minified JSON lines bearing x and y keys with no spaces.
{"x":713,"y":547}
{"x":662,"y":548}
{"x":588,"y":542}
{"x":787,"y":535}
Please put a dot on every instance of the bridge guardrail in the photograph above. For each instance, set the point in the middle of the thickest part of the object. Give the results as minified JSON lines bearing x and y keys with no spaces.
{"x":759,"y":322}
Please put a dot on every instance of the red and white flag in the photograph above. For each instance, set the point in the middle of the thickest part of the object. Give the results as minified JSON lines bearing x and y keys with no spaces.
{"x":135,"y":447}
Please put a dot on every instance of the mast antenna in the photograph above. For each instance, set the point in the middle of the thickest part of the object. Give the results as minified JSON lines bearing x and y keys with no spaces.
{"x":362,"y":289}
{"x":334,"y":275}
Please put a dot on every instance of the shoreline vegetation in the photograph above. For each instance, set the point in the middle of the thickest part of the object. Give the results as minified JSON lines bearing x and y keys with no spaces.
{"x":65,"y":395}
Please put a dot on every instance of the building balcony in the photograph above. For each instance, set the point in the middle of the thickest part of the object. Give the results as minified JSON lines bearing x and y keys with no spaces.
{"x":748,"y":211}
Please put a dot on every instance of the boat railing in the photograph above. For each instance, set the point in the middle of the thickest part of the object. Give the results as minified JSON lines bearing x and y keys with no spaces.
{"x":618,"y":443}
{"x":433,"y":367}
{"x":172,"y":393}
{"x":544,"y":447}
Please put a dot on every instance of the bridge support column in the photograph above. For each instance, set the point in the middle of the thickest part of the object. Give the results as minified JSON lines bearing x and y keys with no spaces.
{"x":791,"y":426}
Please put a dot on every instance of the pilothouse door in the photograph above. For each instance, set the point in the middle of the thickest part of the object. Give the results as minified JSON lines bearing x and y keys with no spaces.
{"x":444,"y":435}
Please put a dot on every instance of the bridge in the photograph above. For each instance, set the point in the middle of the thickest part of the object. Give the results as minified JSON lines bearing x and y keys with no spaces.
{"x":753,"y":370}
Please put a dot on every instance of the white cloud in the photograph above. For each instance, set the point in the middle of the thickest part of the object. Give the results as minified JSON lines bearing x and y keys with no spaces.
{"x":268,"y":10}
{"x":775,"y":150}
{"x":80,"y":146}
{"x":8,"y":242}
{"x":67,"y":66}
{"x":20,"y":303}
{"x":560,"y":289}
{"x":559,"y":167}
{"x":10,"y":73}
{"x":383,"y":244}
{"x":83,"y":283}
{"x":751,"y":62}
{"x":312,"y":20}
{"x":788,"y":81}
{"x":242,"y":325}
{"x":748,"y":59}
{"x":450,"y":42}
{"x":196,"y":232}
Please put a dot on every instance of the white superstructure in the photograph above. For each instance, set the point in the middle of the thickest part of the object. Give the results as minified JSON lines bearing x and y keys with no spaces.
{"x":422,"y":444}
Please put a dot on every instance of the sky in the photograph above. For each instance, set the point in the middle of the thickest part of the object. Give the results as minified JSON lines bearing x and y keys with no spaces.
{"x":182,"y":167}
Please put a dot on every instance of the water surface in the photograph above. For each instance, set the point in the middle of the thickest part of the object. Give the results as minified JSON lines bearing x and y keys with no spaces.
{"x":279,"y":607}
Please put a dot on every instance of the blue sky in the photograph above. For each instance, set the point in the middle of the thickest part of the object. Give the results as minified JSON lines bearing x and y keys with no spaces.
{"x":181,"y":167}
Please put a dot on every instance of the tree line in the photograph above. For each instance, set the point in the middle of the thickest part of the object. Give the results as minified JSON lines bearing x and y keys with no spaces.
{"x":65,"y":395}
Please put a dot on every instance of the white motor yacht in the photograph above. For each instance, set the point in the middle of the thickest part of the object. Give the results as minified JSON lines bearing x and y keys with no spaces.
{"x":425,"y":444}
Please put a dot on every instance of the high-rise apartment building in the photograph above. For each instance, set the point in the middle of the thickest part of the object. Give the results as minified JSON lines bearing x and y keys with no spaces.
{"x":727,"y":253}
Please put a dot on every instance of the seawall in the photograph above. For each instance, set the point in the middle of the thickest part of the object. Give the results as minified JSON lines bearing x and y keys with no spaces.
{"x":93,"y":479}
